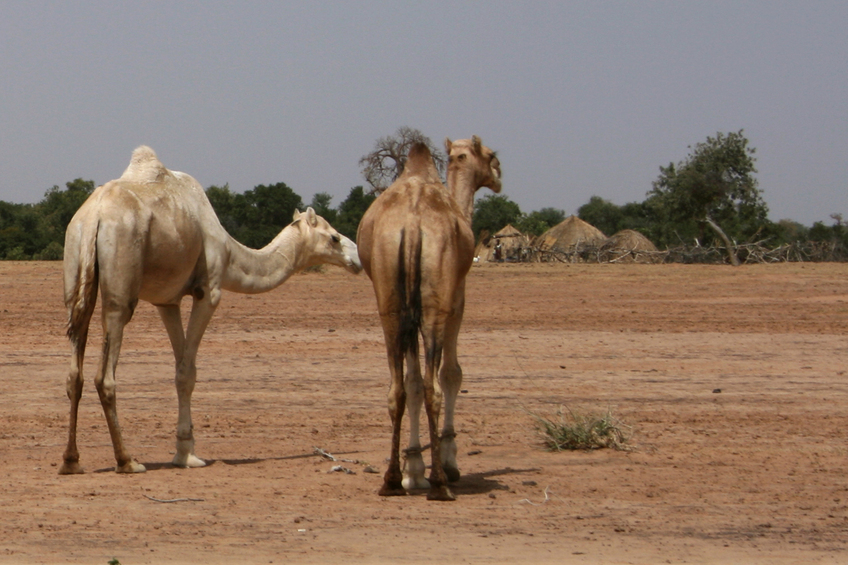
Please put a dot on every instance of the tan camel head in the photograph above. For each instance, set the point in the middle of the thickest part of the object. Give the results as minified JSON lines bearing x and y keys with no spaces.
{"x":472,"y":155}
{"x":327,"y":244}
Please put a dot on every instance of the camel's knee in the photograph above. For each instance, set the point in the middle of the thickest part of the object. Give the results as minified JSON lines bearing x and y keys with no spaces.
{"x":433,"y":396}
{"x":186,"y":377}
{"x":73,"y":386}
{"x":451,"y":377}
{"x":106,"y":389}
{"x":186,"y":368}
{"x":413,"y":383}
{"x":185,"y":384}
{"x":396,"y":399}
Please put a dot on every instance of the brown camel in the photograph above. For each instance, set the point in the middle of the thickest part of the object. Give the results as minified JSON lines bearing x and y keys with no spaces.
{"x":416,"y":245}
{"x":153,"y":235}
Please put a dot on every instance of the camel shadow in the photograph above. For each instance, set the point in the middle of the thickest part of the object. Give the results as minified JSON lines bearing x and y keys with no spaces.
{"x":158,"y":466}
{"x":468,"y":484}
{"x":480,"y":483}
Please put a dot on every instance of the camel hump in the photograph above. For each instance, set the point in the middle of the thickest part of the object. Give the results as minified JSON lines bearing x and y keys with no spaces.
{"x":144,"y":166}
{"x":419,"y":162}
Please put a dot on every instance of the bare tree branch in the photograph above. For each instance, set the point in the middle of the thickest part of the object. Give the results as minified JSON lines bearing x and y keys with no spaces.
{"x":731,"y":250}
{"x":385,"y":163}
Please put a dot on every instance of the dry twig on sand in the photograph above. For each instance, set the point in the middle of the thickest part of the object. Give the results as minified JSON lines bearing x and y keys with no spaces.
{"x":547,"y":498}
{"x":175,"y":499}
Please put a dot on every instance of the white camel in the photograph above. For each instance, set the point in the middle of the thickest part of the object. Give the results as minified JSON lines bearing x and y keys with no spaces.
{"x":153,"y":235}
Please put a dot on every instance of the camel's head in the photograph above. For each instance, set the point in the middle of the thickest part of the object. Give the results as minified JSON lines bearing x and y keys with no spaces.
{"x":470,"y":156}
{"x":326,"y":245}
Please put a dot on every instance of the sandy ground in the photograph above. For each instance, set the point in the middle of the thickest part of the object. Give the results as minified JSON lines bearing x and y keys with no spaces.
{"x":733,"y":381}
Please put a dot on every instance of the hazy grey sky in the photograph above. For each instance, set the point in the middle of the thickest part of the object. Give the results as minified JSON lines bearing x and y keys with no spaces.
{"x":579,"y":98}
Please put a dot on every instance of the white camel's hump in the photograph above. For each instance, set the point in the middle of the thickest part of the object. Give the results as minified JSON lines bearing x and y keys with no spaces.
{"x":144,"y":166}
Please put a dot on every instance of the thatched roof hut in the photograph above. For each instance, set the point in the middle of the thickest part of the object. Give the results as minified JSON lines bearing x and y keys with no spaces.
{"x":569,"y":234}
{"x":506,"y":245}
{"x":629,"y":246}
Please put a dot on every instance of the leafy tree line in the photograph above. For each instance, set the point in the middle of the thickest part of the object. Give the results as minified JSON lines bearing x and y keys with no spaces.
{"x":37,"y":231}
{"x":257,"y":215}
{"x":710,"y":198}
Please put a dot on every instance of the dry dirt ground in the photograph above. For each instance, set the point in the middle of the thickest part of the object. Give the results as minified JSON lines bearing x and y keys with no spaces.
{"x":755,"y":473}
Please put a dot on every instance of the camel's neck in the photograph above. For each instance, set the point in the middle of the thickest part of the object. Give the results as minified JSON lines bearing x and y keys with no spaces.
{"x":462,"y":187}
{"x":251,"y":271}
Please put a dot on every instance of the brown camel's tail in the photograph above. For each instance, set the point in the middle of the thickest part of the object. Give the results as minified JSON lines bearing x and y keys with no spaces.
{"x":81,"y":289}
{"x":409,"y":289}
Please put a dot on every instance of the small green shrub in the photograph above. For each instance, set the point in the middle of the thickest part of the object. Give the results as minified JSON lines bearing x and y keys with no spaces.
{"x":53,"y":252}
{"x":570,"y":430}
{"x":17,"y":254}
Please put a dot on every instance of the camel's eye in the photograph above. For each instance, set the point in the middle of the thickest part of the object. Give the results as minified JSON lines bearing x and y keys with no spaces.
{"x":462,"y":157}
{"x":336,"y":238}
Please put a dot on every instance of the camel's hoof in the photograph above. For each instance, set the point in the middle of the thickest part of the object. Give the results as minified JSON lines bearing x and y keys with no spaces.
{"x":132,"y":467}
{"x":452,"y":473}
{"x":410,"y":483}
{"x":392,"y":489}
{"x":442,"y":493}
{"x":71,"y":468}
{"x":189,"y":461}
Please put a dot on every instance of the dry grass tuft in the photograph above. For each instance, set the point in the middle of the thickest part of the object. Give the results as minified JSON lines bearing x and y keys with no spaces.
{"x":572,"y":431}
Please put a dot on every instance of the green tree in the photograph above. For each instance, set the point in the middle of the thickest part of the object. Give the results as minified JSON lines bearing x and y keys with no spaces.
{"x":37,"y":231}
{"x":24,"y":237}
{"x":540,"y":221}
{"x":493,"y":212}
{"x":602,"y":214}
{"x":223,"y":202}
{"x":59,"y":206}
{"x":791,"y":230}
{"x":53,"y":252}
{"x":836,"y":233}
{"x":12,"y":234}
{"x":713,"y":187}
{"x":257,"y":216}
{"x":321,"y":204}
{"x":611,"y":218}
{"x":351,"y":210}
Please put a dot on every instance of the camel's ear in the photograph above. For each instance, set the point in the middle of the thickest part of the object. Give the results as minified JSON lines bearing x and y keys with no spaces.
{"x":311,"y":217}
{"x":448,"y":145}
{"x":477,"y":145}
{"x":296,"y":215}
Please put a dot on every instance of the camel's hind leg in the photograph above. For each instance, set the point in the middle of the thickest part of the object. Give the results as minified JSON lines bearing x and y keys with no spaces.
{"x":414,"y":387}
{"x":393,"y":479}
{"x":70,"y":463}
{"x":433,"y":346}
{"x":115,"y":317}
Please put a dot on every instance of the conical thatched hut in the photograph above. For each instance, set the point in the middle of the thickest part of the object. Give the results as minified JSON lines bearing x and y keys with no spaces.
{"x":508,"y":244}
{"x":629,"y":246}
{"x":570,"y":234}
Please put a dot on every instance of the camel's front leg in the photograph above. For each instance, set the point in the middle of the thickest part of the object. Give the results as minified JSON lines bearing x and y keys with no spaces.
{"x":114,"y":321}
{"x":173,"y":324}
{"x":450,"y":377}
{"x":185,"y":356}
